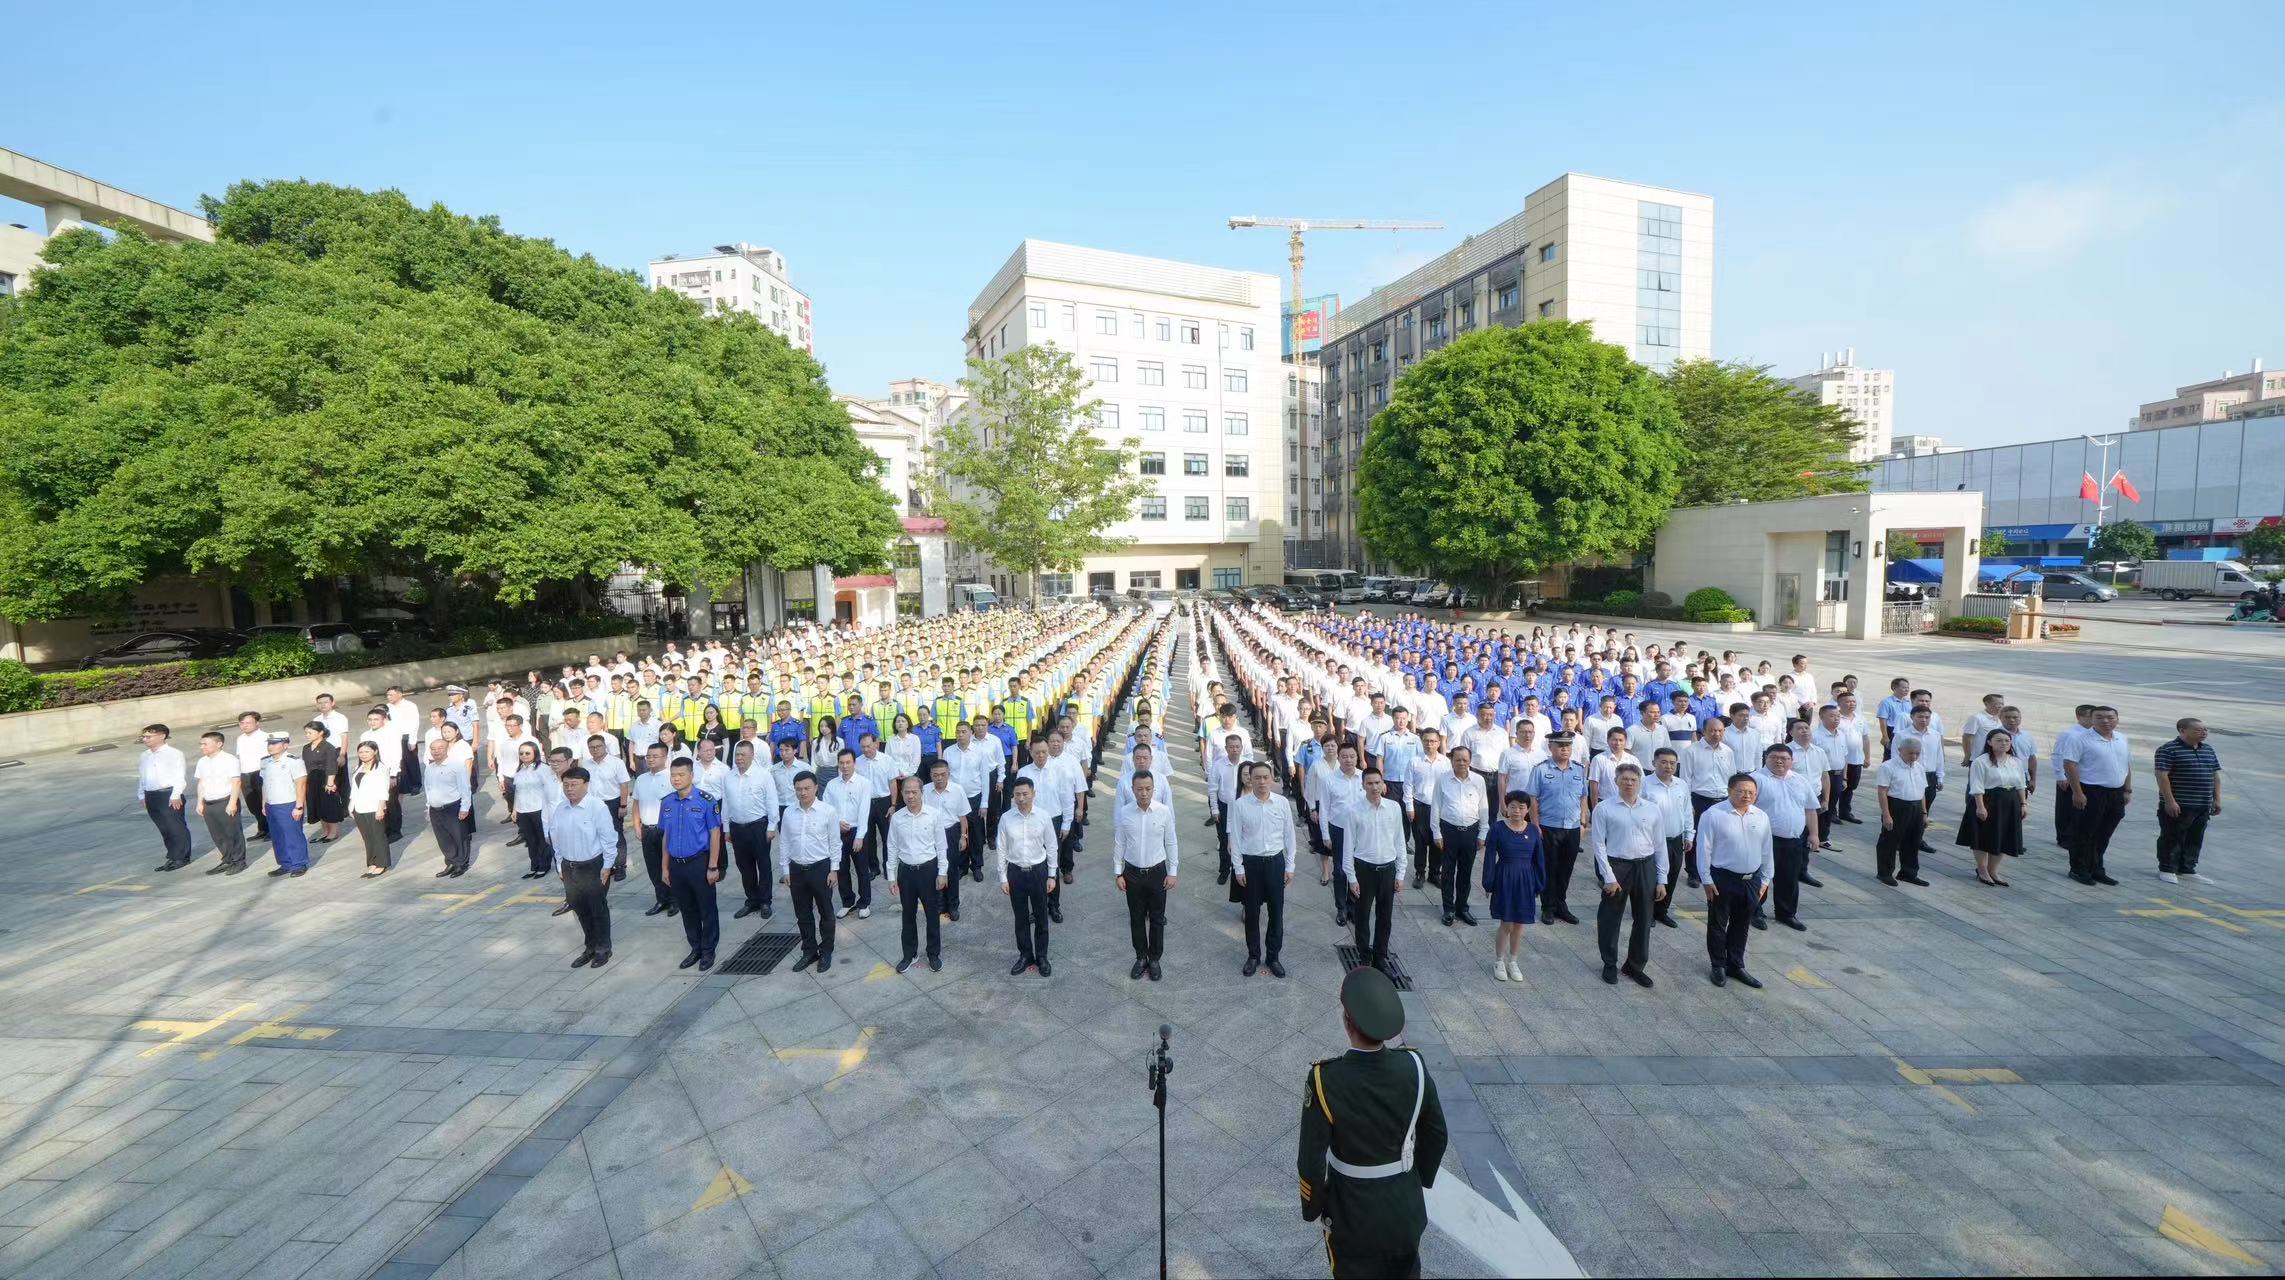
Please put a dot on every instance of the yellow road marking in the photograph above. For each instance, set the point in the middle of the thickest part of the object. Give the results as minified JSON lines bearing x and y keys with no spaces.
{"x":525,"y":897}
{"x":727,"y":1186}
{"x":847,"y":1060}
{"x":1914,"y":1075}
{"x":1972,"y":1075}
{"x":881,"y":971}
{"x":2181,"y":1228}
{"x":462,"y":901}
{"x":185,"y":1031}
{"x":1801,"y":977}
{"x":112,"y":886}
{"x":2266,"y":915}
{"x":2166,"y":910}
{"x":271,"y":1029}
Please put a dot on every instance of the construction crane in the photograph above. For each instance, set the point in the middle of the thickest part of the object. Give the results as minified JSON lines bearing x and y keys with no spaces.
{"x":1299,"y":227}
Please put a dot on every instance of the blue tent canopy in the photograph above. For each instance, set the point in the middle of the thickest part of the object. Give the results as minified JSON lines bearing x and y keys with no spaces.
{"x":1930,"y":573}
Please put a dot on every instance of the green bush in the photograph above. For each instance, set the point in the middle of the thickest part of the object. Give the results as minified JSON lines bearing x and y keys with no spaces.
{"x":20,"y":690}
{"x":1623,"y":599}
{"x":469,"y":640}
{"x":1977,"y":626}
{"x":277,"y":656}
{"x":1703,"y":604}
{"x":1658,"y":599}
{"x":404,"y":647}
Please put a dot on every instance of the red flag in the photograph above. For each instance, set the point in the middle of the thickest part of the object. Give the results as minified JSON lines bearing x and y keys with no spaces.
{"x":2087,"y":490}
{"x":2125,"y":488}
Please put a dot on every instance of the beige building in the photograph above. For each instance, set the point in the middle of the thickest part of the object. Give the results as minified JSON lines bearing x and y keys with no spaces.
{"x":1183,"y":360}
{"x":1867,"y":395}
{"x":69,"y":200}
{"x":741,"y":278}
{"x":2225,"y":397}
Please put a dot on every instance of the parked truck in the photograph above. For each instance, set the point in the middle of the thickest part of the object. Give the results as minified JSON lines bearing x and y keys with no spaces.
{"x":2182,"y":579}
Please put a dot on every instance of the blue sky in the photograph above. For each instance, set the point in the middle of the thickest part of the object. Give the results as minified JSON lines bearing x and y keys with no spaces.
{"x":2039,"y":214}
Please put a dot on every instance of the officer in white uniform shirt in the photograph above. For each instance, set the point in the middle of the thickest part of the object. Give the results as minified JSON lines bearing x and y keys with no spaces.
{"x":1735,"y":861}
{"x":1628,"y":843}
{"x":252,"y":746}
{"x":1263,"y":843}
{"x":749,"y":810}
{"x":1789,"y":798}
{"x":448,"y":793}
{"x":1026,"y":844}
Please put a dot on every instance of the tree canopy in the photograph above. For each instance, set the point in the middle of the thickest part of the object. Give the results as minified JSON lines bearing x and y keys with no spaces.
{"x":1512,"y":449}
{"x":1022,"y":477}
{"x":1748,"y":435}
{"x":345,"y":383}
{"x":2122,"y":540}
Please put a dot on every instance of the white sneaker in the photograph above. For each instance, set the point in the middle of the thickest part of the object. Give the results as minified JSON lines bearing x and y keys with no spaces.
{"x":2201,"y":879}
{"x":864,"y":913}
{"x":2169,"y":877}
{"x":1514,"y":970}
{"x":846,"y":912}
{"x":1499,"y":970}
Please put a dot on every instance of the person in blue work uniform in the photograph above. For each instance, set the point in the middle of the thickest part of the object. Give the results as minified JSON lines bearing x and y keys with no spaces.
{"x":788,"y":727}
{"x":1558,"y":790}
{"x":691,"y":828}
{"x":856,"y":725}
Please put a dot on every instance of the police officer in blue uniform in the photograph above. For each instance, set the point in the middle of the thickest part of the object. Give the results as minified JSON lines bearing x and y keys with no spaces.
{"x":1558,"y":790}
{"x":692,"y":831}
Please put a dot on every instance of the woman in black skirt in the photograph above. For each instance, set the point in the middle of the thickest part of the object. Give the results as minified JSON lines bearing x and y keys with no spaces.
{"x":1991,"y":822}
{"x":328,"y":780}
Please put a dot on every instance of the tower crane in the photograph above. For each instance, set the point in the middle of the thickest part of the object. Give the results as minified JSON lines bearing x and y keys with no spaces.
{"x":1297,"y":227}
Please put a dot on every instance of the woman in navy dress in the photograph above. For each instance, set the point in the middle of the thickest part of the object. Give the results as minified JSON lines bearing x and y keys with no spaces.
{"x":1515,"y":871}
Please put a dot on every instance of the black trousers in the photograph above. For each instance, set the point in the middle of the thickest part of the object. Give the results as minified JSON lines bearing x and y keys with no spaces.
{"x":1062,"y":852}
{"x":222,"y":827}
{"x":1459,"y":865}
{"x":1830,"y":812}
{"x":2091,"y":829}
{"x":174,"y":829}
{"x":618,"y":824}
{"x":393,"y":823}
{"x":250,"y":795}
{"x":1676,"y":857}
{"x":916,"y":884}
{"x":1377,"y":1259}
{"x":373,"y":830}
{"x":1376,"y":897}
{"x":694,"y":895}
{"x":1338,"y":839}
{"x":1792,"y":856}
{"x":1898,"y":850}
{"x":654,"y":862}
{"x":1846,"y":803}
{"x":583,"y":893}
{"x":812,"y":905}
{"x":1729,"y":917}
{"x":877,"y":838}
{"x":956,"y":864}
{"x":1146,"y":909}
{"x":1562,"y":846}
{"x":856,"y":873}
{"x":1265,"y":885}
{"x":750,"y":846}
{"x":451,"y":835}
{"x":2179,"y":839}
{"x":2066,"y":817}
{"x":1222,"y":838}
{"x":1635,"y":878}
{"x":1027,"y":897}
{"x":1423,"y":840}
{"x":534,"y":832}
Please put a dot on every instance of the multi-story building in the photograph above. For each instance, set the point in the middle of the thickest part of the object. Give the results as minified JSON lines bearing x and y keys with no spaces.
{"x":1304,"y":462}
{"x":2224,"y":397}
{"x":1917,"y":446}
{"x":741,"y":277}
{"x":1635,"y":261}
{"x":1184,"y":359}
{"x":1867,"y":395}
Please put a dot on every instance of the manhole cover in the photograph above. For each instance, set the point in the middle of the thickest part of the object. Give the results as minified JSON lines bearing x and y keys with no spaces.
{"x":761,"y":953}
{"x":1351,"y":958}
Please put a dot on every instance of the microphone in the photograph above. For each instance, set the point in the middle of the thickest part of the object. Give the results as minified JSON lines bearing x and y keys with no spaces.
{"x":1165,"y":1033}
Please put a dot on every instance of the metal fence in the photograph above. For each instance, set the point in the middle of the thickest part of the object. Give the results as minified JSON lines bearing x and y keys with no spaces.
{"x":1915,"y":619}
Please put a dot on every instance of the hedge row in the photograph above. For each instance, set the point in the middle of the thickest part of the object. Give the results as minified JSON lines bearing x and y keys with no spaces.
{"x":1706,"y":604}
{"x":1977,"y":626}
{"x":1605,"y":608}
{"x":278,"y":657}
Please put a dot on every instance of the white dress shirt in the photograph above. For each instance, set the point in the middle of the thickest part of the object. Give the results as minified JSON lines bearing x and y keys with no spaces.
{"x":2102,"y":761}
{"x":1144,"y":838}
{"x":916,"y":839}
{"x":808,"y":835}
{"x":1485,"y":744}
{"x":1708,"y":767}
{"x":1459,"y":801}
{"x":1788,"y":801}
{"x":1050,"y":792}
{"x":1673,"y":798}
{"x":1900,"y":780}
{"x":606,"y":778}
{"x":750,"y":795}
{"x":1260,"y":829}
{"x":1735,"y":842}
{"x":385,"y":741}
{"x":160,"y":769}
{"x":217,"y":776}
{"x":1375,"y":834}
{"x":1026,"y":840}
{"x":253,"y":748}
{"x":852,"y":798}
{"x":582,"y":832}
{"x":1933,"y":749}
{"x":1338,"y":795}
{"x":446,"y":786}
{"x":1222,"y":775}
{"x":1623,"y":830}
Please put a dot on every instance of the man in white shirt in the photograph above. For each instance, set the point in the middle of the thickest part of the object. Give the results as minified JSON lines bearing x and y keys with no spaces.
{"x":1856,"y":731}
{"x":1461,"y":817}
{"x":2102,"y":785}
{"x":1922,"y":726}
{"x":1026,"y":842}
{"x":1373,"y":865}
{"x":809,"y":844}
{"x":161,"y":783}
{"x":1735,"y":860}
{"x":1901,"y":783}
{"x":1264,"y":843}
{"x":1487,"y":745}
{"x":918,"y":870}
{"x":1523,"y":755}
{"x":749,"y":807}
{"x":1051,"y":795}
{"x":709,"y":773}
{"x":1709,"y":764}
{"x":1789,"y":799}
{"x":251,"y":747}
{"x":585,"y":845}
{"x":448,"y":792}
{"x":219,"y":785}
{"x":1980,"y":724}
{"x":851,"y":794}
{"x":1628,"y":841}
{"x":976,"y":768}
{"x":649,"y":789}
{"x":963,"y":840}
{"x":1145,"y":759}
{"x":1224,"y":763}
{"x":1665,"y":788}
{"x":1145,"y":862}
{"x":1426,"y":767}
{"x":1074,"y":774}
{"x":2067,"y":813}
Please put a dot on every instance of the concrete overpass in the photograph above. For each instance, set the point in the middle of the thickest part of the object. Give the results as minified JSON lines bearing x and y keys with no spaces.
{"x":72,"y":199}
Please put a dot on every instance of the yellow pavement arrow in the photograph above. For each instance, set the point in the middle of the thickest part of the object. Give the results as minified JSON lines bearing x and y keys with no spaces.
{"x":2181,"y":1228}
{"x":462,"y":901}
{"x":727,"y":1186}
{"x":882,"y":971}
{"x":185,"y":1031}
{"x":271,"y":1029}
{"x":847,"y":1060}
{"x":1914,"y":1075}
{"x":2266,"y":915}
{"x":1801,"y":977}
{"x":2166,"y":910}
{"x":526,"y":897}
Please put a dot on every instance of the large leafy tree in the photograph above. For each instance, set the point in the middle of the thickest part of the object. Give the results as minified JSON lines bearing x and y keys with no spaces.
{"x":1022,"y":477}
{"x":2122,"y":540}
{"x":1512,"y":449}
{"x":1749,"y":436}
{"x":344,"y":383}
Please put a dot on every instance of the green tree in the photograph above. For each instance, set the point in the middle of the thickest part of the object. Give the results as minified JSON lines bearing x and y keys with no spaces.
{"x":1513,"y":449}
{"x":2264,"y":545}
{"x":1021,"y":477}
{"x":1749,"y":436}
{"x":1902,"y":545}
{"x":345,"y":384}
{"x":2122,"y":540}
{"x":1995,"y":543}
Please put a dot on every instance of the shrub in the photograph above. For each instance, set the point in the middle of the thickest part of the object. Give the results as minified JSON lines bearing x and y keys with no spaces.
{"x":404,"y":647}
{"x":20,"y":690}
{"x":1701,"y":605}
{"x":270,"y":657}
{"x":1977,"y":626}
{"x":1623,"y":599}
{"x":475,"y":640}
{"x":1658,"y":599}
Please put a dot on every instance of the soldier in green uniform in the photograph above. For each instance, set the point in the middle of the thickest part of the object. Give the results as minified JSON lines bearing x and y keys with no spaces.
{"x":1372,"y":1134}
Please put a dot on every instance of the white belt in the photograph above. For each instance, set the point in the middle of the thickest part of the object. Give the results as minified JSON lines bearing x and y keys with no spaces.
{"x":1403,"y":1163}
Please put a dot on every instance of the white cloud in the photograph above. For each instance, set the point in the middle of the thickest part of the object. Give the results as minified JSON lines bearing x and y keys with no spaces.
{"x":2041,"y":222}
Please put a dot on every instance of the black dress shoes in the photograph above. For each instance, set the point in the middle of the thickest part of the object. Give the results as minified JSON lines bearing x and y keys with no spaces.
{"x":1715,"y":975}
{"x":1022,"y":963}
{"x":744,"y":911}
{"x":656,"y":908}
{"x":1611,"y":974}
{"x":584,"y":959}
{"x":1276,"y":970}
{"x":1745,"y":978}
{"x":688,"y":961}
{"x":1136,"y":973}
{"x":1812,"y":881}
{"x":1641,"y":979}
{"x":1252,"y":967}
{"x":1045,"y":969}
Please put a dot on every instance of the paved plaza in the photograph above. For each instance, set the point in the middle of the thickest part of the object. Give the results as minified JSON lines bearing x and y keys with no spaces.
{"x":324,"y":1077}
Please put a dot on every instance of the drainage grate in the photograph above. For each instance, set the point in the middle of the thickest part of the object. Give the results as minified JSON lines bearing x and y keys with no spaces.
{"x":761,"y":953}
{"x":1351,"y":958}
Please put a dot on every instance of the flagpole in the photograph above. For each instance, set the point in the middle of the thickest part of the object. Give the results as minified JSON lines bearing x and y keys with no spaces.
{"x":2101,"y":484}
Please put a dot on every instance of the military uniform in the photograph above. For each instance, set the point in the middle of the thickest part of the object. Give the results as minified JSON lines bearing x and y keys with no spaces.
{"x":1372,"y":1135}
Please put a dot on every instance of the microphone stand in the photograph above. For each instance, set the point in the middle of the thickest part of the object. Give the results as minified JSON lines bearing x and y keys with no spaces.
{"x":1161,"y":1066}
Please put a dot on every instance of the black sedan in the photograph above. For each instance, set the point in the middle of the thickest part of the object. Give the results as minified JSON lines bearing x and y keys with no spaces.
{"x":147,"y":648}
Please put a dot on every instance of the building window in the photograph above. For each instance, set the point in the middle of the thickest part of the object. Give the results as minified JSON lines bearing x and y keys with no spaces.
{"x":1510,"y":297}
{"x":1379,"y":352}
{"x":1235,"y":424}
{"x":1380,"y":394}
{"x":1229,"y":578}
{"x":1107,"y":322}
{"x":1245,"y":337}
{"x":1190,"y":332}
{"x":1238,"y":510}
{"x":1070,"y":316}
{"x":1237,"y":465}
{"x":1467,"y":314}
{"x":1194,"y":464}
{"x":1546,"y":308}
{"x":1153,"y":418}
{"x":1233,"y":379}
{"x":1150,"y":373}
{"x":1165,"y":329}
{"x":1142,"y":579}
{"x":1196,"y":508}
{"x":1154,"y":464}
{"x":1194,"y":421}
{"x":1103,"y":369}
{"x":1138,"y":324}
{"x":1154,"y":508}
{"x":1107,"y":416}
{"x":1547,"y":253}
{"x":1038,"y":315}
{"x":1435,"y":325}
{"x":1054,"y":585}
{"x":1194,"y":377}
{"x":1293,"y":484}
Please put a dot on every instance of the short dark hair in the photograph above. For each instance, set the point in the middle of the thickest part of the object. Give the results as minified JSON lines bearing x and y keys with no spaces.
{"x":575,"y":772}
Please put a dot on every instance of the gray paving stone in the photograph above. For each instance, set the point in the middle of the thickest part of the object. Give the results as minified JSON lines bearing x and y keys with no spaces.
{"x":870,"y":1243}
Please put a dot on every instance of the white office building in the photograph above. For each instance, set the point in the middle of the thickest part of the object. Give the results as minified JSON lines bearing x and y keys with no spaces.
{"x":1184,"y":359}
{"x":1867,"y":395}
{"x":741,"y":277}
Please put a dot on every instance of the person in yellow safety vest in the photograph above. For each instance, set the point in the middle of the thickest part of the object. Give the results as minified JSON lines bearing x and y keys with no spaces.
{"x":822,"y":707}
{"x":727,"y":700}
{"x":1016,"y":709}
{"x":618,"y":707}
{"x":951,"y":709}
{"x":690,"y":713}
